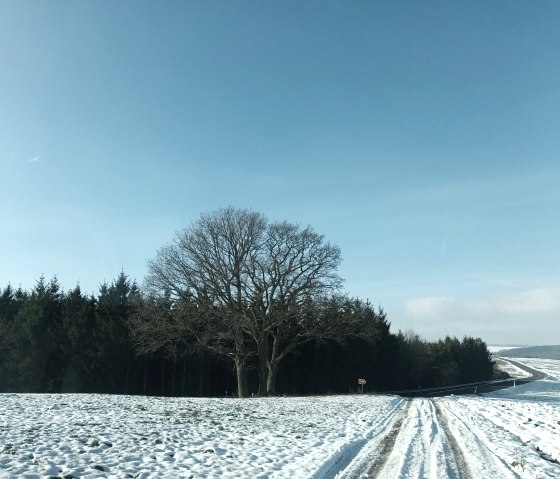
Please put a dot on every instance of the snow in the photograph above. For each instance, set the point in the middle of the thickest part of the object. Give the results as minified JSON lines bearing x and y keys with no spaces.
{"x":496,"y":348}
{"x":128,"y":436}
{"x":551,"y":367}
{"x":513,"y":433}
{"x":420,"y":449}
{"x":518,"y":427}
{"x":511,"y":369}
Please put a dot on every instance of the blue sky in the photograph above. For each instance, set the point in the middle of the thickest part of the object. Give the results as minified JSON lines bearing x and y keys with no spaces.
{"x":421,"y":137}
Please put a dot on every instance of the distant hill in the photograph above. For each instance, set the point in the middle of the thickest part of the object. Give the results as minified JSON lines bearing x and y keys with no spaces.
{"x":541,"y":352}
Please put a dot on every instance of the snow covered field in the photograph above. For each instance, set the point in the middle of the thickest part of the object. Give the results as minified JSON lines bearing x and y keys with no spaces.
{"x":513,"y":433}
{"x":127,"y":436}
{"x":551,"y":367}
{"x":512,"y":370}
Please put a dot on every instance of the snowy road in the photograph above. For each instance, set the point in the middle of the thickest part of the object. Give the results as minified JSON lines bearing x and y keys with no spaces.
{"x":416,"y":446}
{"x":453,"y":438}
{"x":514,"y":433}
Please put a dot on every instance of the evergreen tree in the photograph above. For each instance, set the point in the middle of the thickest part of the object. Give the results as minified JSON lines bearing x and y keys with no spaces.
{"x":78,"y":317}
{"x":38,"y":360}
{"x":11,"y":302}
{"x":115,"y":353}
{"x":474,"y":360}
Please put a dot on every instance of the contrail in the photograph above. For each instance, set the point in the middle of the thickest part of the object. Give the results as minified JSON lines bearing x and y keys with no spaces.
{"x":443,"y":244}
{"x":34,"y":159}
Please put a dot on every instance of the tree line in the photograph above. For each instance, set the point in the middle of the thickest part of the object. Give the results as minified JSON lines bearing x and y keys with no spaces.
{"x":235,"y":304}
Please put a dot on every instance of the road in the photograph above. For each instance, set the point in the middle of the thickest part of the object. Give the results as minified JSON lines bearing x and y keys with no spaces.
{"x":430,"y":437}
{"x":429,"y":440}
{"x":477,"y":387}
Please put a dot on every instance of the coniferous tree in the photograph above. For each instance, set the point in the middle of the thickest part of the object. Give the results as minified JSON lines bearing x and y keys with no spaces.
{"x":115,"y":354}
{"x":474,"y":360}
{"x":38,"y":359}
{"x":9,"y":307}
{"x":11,"y":301}
{"x":78,"y":316}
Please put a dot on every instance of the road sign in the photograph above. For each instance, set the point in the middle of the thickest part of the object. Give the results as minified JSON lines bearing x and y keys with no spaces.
{"x":362,"y":381}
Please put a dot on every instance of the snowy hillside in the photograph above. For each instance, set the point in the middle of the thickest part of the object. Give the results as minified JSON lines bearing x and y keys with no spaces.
{"x":543,"y":352}
{"x":513,"y":433}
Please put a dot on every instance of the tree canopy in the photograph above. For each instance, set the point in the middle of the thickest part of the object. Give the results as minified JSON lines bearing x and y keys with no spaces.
{"x":243,"y":286}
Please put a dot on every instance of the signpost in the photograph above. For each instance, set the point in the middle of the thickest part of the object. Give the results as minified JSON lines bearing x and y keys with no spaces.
{"x":362,"y":382}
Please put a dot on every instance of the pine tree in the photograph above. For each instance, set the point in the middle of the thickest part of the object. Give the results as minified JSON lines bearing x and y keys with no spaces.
{"x":39,"y":340}
{"x":115,"y":353}
{"x":78,"y":317}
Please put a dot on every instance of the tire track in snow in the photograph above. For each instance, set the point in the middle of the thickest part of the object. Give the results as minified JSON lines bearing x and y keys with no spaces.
{"x":463,"y":469}
{"x":415,"y":446}
{"x":387,"y":445}
{"x":483,"y":461}
{"x":421,"y":448}
{"x":431,"y":439}
{"x":356,"y":457}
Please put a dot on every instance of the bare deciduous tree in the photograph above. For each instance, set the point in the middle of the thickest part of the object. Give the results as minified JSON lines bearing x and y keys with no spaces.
{"x":295,"y":268}
{"x":207,"y":266}
{"x":154,"y":326}
{"x":251,"y":287}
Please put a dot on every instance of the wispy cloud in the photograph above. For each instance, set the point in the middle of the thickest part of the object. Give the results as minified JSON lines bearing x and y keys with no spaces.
{"x":33,"y":160}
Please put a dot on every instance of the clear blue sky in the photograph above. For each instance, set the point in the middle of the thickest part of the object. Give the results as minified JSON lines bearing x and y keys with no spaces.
{"x":421,"y":137}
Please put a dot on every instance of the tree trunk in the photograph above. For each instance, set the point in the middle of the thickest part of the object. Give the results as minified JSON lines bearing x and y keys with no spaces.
{"x":241,"y":372}
{"x":273,"y":363}
{"x":263,"y":366}
{"x":276,"y":357}
{"x":273,"y":367}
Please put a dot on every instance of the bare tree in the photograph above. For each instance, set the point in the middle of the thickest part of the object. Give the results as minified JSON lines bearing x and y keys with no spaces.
{"x":296,"y":268}
{"x":206,"y":266}
{"x":252,"y":287}
{"x":321,"y":319}
{"x":154,"y":326}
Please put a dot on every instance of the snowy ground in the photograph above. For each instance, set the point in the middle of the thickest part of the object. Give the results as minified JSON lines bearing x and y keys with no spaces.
{"x":549,"y":366}
{"x":126,"y":436}
{"x":513,"y":433}
{"x":511,"y":369}
{"x":497,"y":348}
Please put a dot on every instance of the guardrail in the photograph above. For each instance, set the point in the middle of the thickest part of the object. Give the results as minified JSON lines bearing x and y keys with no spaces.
{"x":476,"y":387}
{"x":468,"y":388}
